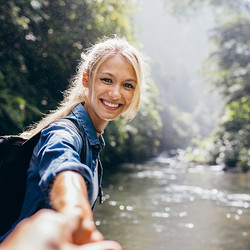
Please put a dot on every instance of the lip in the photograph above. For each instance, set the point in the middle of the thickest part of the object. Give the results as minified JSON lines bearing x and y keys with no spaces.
{"x":111,"y":105}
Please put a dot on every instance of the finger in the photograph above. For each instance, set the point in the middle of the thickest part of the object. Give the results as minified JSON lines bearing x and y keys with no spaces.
{"x":82,"y":234}
{"x":96,"y":236}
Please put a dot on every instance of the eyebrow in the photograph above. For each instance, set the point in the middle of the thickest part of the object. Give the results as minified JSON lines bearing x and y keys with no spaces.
{"x":129,"y":80}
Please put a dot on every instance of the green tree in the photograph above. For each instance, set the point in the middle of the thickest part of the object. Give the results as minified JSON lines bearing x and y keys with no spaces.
{"x":231,"y":77}
{"x":41,"y":42}
{"x":228,"y":70}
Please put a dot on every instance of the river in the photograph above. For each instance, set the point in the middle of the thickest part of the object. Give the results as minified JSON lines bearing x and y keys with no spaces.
{"x":165,"y":204}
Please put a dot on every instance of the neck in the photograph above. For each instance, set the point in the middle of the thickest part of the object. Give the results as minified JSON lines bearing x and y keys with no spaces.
{"x":100,"y":132}
{"x":98,"y":123}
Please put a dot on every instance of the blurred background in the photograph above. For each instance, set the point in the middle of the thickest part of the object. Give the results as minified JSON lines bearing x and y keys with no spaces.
{"x":187,"y":151}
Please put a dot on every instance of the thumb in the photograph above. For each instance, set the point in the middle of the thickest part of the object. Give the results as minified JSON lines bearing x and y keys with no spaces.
{"x":73,"y":221}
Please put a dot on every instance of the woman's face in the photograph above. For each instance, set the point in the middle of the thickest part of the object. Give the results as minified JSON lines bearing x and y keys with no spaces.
{"x":112,"y":92}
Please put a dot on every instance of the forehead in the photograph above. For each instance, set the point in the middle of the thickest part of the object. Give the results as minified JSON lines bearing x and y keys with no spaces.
{"x":117,"y":64}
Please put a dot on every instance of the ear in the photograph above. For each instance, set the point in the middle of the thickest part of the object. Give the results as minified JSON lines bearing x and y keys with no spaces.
{"x":85,"y":80}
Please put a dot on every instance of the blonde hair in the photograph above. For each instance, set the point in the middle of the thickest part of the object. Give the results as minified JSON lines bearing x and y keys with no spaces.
{"x":90,"y":62}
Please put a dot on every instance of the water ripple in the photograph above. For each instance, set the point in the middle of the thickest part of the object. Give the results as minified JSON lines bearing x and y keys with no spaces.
{"x":180,"y":192}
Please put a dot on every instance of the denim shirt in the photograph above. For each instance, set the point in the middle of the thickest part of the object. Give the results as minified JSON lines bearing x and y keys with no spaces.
{"x":62,"y":148}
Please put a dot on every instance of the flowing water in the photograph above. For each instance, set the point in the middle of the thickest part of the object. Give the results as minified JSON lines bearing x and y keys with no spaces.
{"x":166,"y":204}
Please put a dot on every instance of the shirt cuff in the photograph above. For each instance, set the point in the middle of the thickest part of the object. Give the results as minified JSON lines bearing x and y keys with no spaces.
{"x":48,"y":177}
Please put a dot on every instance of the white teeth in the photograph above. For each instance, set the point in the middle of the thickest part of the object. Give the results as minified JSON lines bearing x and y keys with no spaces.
{"x":111,"y":105}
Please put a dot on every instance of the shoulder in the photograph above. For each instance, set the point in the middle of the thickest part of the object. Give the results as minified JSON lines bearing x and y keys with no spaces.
{"x":62,"y":132}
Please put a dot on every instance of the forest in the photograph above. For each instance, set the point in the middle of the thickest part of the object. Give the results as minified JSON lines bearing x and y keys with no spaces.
{"x":41,"y":43}
{"x":227,"y":70}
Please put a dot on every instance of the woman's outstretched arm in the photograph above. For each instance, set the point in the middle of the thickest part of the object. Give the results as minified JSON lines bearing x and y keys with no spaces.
{"x":69,"y":196}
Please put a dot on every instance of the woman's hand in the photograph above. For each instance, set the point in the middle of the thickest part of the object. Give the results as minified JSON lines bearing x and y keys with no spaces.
{"x":84,"y":230}
{"x":49,"y":230}
{"x":69,"y":196}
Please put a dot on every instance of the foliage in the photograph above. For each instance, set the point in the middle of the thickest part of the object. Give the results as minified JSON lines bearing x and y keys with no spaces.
{"x":182,"y":116}
{"x":232,"y":79}
{"x":228,"y":70}
{"x":179,"y":128}
{"x":41,"y":42}
{"x":14,"y":110}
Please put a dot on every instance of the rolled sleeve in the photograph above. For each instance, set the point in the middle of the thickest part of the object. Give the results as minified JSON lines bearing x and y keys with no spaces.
{"x":59,"y":150}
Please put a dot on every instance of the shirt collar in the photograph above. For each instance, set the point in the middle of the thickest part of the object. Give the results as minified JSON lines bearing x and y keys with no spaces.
{"x":83,"y":117}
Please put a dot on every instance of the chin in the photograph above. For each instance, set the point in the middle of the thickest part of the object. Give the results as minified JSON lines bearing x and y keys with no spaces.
{"x":110,"y":118}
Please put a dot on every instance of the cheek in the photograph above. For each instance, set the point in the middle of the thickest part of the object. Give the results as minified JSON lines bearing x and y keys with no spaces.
{"x":93,"y":92}
{"x":130,"y":96}
{"x":99,"y":88}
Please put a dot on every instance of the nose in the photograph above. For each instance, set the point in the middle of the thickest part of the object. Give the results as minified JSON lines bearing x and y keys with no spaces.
{"x":115,"y":92}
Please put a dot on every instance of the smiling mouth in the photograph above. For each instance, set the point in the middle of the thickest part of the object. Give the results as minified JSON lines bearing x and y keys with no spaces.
{"x":111,"y":105}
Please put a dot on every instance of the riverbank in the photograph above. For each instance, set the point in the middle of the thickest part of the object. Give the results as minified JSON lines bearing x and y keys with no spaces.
{"x":193,"y":157}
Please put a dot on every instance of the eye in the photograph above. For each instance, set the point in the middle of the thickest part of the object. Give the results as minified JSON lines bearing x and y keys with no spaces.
{"x":106,"y":80}
{"x":128,"y":85}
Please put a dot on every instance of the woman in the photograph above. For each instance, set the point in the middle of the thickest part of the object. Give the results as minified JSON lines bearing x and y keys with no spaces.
{"x":65,"y":171}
